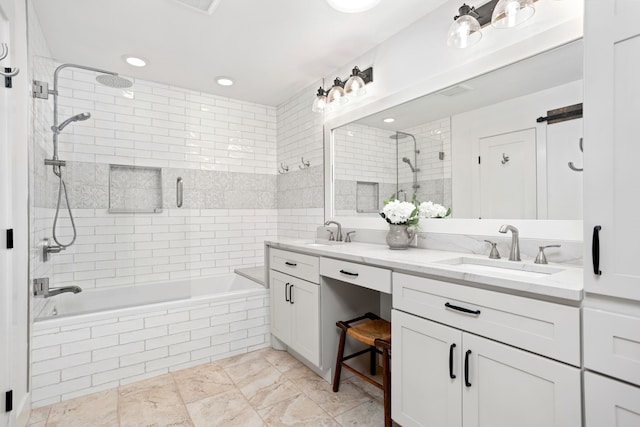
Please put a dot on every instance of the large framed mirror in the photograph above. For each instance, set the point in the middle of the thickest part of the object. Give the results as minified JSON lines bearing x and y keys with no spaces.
{"x":477,"y":146}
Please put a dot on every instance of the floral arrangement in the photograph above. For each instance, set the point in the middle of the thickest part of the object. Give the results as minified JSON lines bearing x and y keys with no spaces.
{"x":400,"y":213}
{"x":433,"y":210}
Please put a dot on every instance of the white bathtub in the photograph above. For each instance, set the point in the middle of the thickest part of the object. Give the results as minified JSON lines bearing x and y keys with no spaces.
{"x":100,"y":339}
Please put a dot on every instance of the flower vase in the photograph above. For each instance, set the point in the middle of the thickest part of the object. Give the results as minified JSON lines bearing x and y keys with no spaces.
{"x":400,"y":236}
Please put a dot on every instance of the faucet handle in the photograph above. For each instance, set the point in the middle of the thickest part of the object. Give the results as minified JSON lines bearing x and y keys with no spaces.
{"x":541,"y":258}
{"x":494,"y":250}
{"x":332,"y":237}
{"x":347,"y":239}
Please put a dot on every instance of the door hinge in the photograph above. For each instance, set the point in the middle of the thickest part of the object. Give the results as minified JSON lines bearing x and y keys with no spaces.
{"x":10,"y":238}
{"x":8,"y":404}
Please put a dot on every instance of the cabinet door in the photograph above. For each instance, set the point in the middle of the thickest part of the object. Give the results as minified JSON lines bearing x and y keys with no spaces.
{"x":280,"y":306}
{"x":610,"y":403}
{"x":508,"y":387}
{"x":611,"y":148}
{"x":423,"y":392}
{"x":305,"y":320}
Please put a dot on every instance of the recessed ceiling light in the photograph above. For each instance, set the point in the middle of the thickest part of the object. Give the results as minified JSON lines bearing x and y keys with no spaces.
{"x":389,"y":120}
{"x":224,"y":81}
{"x":136,"y":61}
{"x":352,"y":6}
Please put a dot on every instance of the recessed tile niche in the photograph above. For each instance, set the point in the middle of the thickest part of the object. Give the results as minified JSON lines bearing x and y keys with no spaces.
{"x":135,"y":189}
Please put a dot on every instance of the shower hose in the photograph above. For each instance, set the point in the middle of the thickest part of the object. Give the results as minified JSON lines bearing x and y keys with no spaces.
{"x":57,"y":170}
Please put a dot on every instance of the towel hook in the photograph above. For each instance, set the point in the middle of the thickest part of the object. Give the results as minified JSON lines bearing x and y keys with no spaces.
{"x":505,"y":159}
{"x":283,"y":168}
{"x":11,"y":73}
{"x":571,"y":165}
{"x":304,"y":164}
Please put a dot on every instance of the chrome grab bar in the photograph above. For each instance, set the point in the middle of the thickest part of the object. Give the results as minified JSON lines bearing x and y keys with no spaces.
{"x":179,"y":192}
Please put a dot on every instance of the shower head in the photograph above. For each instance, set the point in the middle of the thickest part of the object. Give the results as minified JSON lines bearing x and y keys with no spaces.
{"x":114,"y":81}
{"x":77,"y":118}
{"x":398,"y":135}
{"x":408,"y":161}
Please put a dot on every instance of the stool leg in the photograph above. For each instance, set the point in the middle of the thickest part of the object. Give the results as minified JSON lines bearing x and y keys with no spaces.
{"x":372,"y":361}
{"x":386,"y":384}
{"x":336,"y":376}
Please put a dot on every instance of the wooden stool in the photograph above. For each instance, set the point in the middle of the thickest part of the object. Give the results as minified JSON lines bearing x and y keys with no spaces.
{"x":376,"y":333}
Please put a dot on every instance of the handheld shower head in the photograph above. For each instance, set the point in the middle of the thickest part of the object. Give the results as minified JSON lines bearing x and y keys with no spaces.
{"x":408,"y":161}
{"x":77,"y":118}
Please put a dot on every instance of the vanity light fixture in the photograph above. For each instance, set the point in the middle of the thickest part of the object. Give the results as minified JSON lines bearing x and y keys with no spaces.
{"x":340,"y":92}
{"x":466,"y":28}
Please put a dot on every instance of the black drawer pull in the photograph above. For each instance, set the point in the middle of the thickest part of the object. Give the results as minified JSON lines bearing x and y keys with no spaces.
{"x":286,"y":290}
{"x":290,"y":294}
{"x":348,"y":273}
{"x":290,"y":264}
{"x":462,"y":309}
{"x":595,"y":250}
{"x":466,"y":369}
{"x":451,"y":374}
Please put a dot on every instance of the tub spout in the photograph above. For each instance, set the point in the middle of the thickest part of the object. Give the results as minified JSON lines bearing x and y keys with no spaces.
{"x":57,"y":291}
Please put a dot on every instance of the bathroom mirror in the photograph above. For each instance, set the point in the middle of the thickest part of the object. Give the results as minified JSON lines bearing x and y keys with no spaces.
{"x":476,"y":147}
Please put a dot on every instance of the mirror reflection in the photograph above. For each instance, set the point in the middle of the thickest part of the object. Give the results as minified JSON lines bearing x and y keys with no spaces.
{"x":507,"y":144}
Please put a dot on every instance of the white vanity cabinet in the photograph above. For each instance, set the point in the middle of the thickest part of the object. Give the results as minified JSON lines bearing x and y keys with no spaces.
{"x":612,"y":271}
{"x":295,"y":302}
{"x":445,"y":375}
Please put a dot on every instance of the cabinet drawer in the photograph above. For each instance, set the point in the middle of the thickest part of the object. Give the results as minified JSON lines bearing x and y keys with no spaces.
{"x":299,"y":265}
{"x":378,"y":279}
{"x":612,"y":344}
{"x":542,"y":327}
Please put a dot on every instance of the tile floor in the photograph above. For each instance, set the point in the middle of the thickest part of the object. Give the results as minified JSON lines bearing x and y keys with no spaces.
{"x":262,"y":388}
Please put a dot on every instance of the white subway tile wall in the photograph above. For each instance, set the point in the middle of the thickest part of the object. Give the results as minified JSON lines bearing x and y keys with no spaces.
{"x":89,"y":356}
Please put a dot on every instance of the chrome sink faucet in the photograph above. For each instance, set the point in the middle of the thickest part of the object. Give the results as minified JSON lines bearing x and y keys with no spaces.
{"x":514,"y":254}
{"x":339,"y":233}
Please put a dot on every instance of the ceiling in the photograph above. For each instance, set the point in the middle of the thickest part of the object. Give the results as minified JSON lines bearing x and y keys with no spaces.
{"x":272,"y":49}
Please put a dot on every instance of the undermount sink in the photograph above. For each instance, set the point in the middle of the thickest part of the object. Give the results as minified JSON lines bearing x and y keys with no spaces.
{"x":514,"y":268}
{"x":323,"y":243}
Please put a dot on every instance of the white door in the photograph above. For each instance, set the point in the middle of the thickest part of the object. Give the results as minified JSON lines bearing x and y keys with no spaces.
{"x":610,"y":403}
{"x":564,"y":185}
{"x":280,"y":307}
{"x":304,"y":298}
{"x":5,"y":223}
{"x":508,"y":387}
{"x":611,"y":148}
{"x":508,"y":175}
{"x":424,"y":392}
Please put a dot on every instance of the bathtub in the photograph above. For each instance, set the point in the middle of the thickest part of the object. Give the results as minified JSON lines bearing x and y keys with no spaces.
{"x":100,"y":339}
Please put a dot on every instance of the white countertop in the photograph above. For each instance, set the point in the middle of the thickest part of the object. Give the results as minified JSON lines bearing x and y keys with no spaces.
{"x":566,"y":284}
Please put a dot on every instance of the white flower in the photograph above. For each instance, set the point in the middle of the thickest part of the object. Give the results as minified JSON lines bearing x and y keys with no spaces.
{"x":432,"y":210}
{"x":397,"y":212}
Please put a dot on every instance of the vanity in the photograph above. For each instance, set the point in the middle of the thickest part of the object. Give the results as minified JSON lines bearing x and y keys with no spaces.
{"x":475,"y":341}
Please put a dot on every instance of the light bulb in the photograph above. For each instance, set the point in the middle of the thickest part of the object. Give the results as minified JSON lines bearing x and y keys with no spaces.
{"x":464,"y":32}
{"x":510,"y":13}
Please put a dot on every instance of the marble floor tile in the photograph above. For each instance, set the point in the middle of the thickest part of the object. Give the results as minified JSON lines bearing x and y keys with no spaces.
{"x":369,"y":414}
{"x":94,"y":410}
{"x":38,"y":415}
{"x":296,"y":411}
{"x":321,"y":392}
{"x":202,"y":381}
{"x":225,"y":409}
{"x":153,"y":406}
{"x":263,"y":388}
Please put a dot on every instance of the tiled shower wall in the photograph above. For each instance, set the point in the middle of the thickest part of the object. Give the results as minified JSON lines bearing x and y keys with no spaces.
{"x":301,"y":189}
{"x":366,"y":154}
{"x":225,"y":152}
{"x":434,"y":176}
